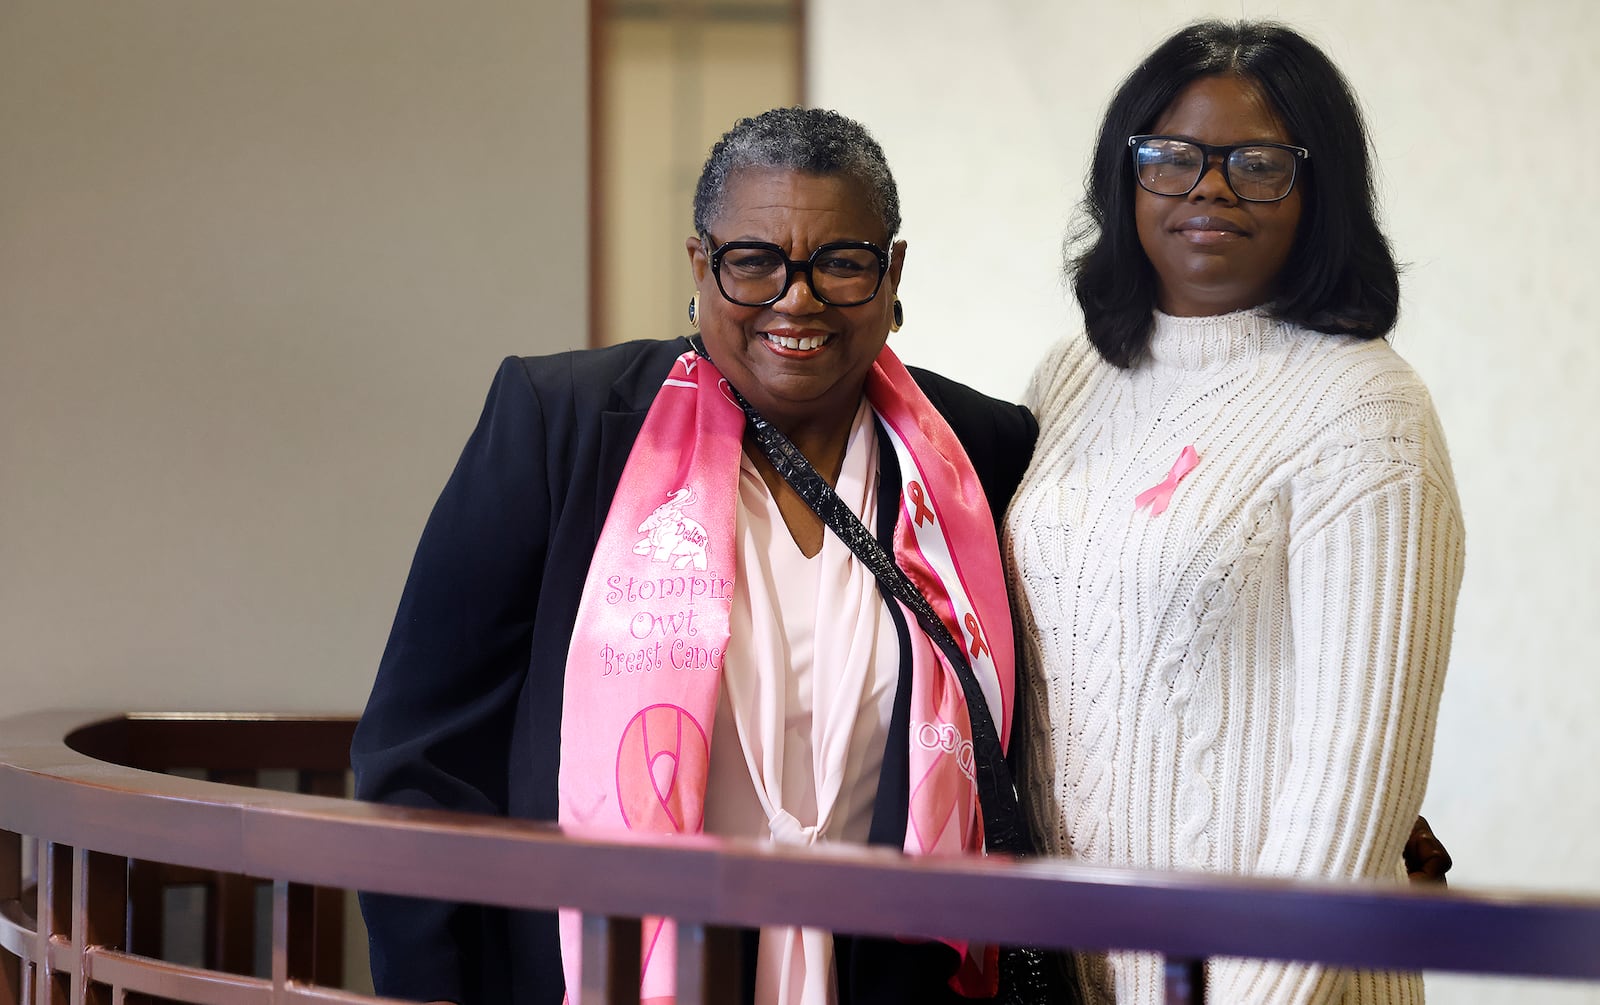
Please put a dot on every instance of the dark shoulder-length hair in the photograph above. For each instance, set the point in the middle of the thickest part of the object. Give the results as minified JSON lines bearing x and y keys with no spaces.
{"x":1340,"y":277}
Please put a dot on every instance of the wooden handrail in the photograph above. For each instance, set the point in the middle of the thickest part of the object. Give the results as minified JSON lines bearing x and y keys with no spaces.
{"x":83,"y":806}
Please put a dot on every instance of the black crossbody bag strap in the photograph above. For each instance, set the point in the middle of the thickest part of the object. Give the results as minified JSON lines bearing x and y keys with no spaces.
{"x":997,"y":793}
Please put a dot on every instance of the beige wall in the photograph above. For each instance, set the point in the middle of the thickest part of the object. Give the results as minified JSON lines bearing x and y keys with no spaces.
{"x":258,"y":262}
{"x":1480,"y":112}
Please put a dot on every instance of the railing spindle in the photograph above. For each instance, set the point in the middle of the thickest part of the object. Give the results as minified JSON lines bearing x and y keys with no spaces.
{"x":11,"y":989}
{"x":280,"y":939}
{"x":230,"y":913}
{"x":54,"y":921}
{"x":100,"y":905}
{"x":146,"y":908}
{"x":327,"y":904}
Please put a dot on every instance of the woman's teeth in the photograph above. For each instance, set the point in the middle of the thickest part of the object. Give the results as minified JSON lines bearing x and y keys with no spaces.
{"x":788,"y":342}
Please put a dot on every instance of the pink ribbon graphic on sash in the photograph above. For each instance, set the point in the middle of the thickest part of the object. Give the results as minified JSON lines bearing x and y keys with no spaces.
{"x":661,"y":769}
{"x":1158,"y":496}
{"x":979,"y":647}
{"x":661,"y":779}
{"x":921,"y":510}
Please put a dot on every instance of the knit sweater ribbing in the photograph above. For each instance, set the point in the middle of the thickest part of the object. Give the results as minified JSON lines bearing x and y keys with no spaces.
{"x":1248,"y":681}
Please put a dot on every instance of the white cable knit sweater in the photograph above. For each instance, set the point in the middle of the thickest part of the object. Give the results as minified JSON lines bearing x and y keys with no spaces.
{"x":1246,"y":682}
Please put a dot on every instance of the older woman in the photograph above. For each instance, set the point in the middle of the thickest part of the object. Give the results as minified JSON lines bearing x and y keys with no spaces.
{"x":622,"y":615}
{"x":1237,"y":551}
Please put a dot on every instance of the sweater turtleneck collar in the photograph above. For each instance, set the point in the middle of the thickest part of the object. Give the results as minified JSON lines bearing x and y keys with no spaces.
{"x":1211,"y":343}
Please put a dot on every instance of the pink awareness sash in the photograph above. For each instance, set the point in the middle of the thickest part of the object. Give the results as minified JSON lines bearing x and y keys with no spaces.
{"x":644,"y":665}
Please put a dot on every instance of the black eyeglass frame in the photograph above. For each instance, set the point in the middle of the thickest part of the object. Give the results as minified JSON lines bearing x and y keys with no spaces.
{"x":792,"y":266}
{"x":1223,"y":152}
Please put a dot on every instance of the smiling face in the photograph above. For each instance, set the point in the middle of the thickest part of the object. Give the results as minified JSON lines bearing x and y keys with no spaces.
{"x":799,"y":361}
{"x":1213,"y":252}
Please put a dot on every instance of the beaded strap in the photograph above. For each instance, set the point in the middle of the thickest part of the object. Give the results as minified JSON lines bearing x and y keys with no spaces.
{"x":997,"y":793}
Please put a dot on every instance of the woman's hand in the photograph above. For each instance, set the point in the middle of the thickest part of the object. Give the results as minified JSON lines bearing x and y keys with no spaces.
{"x":1426,"y":858}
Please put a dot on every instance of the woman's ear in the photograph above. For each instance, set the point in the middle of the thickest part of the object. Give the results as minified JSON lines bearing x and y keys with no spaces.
{"x":897,"y":261}
{"x":699,"y":264}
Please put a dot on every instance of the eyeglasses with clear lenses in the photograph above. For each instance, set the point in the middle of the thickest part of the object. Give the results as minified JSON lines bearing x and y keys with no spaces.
{"x":1257,"y":172}
{"x":757,"y":273}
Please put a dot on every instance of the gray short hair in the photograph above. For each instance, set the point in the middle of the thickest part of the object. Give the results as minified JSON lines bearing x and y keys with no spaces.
{"x":811,"y":140}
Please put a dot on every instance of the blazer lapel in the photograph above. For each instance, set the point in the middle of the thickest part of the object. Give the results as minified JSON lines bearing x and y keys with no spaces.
{"x":631,"y":396}
{"x":618,"y":431}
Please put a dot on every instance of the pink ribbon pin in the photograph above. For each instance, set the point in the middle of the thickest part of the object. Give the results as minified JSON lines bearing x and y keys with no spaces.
{"x":1158,"y":496}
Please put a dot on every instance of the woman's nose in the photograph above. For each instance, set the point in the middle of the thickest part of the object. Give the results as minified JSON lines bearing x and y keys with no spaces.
{"x":1213,"y":183}
{"x":799,"y":298}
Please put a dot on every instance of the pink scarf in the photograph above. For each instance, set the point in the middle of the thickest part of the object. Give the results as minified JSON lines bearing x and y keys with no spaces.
{"x":643,"y":669}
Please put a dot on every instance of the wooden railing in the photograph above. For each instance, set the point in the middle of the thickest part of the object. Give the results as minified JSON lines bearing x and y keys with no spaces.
{"x":90,"y":825}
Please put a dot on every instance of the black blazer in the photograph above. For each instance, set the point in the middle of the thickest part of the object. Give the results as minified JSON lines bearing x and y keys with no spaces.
{"x":465,"y":713}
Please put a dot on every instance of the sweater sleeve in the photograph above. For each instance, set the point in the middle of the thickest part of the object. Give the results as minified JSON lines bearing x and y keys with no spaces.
{"x":437,"y":726}
{"x":1373,"y":578}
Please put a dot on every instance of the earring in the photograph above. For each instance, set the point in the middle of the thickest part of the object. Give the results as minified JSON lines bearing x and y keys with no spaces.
{"x":694,"y":312}
{"x":899,"y":313}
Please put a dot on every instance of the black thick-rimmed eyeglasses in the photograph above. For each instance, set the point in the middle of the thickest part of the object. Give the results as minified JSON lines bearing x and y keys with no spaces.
{"x":758,"y":273}
{"x":1257,"y":172}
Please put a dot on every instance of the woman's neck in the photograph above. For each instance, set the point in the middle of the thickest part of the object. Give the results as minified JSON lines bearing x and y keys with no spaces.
{"x":824,"y":445}
{"x":823,"y":441}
